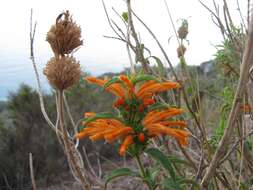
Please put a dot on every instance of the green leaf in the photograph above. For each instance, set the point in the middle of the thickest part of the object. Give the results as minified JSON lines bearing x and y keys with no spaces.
{"x":163,"y":160}
{"x":112,"y":81}
{"x":142,"y":78}
{"x":189,"y":181}
{"x":170,"y":183}
{"x":100,"y":116}
{"x":176,"y":160}
{"x":125,"y":16}
{"x":158,"y":106}
{"x":119,"y":173}
{"x":161,"y":68}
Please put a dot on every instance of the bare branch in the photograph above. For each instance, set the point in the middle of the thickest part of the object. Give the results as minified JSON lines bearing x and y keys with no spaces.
{"x":244,"y":76}
{"x":31,"y":171}
{"x":39,"y":90}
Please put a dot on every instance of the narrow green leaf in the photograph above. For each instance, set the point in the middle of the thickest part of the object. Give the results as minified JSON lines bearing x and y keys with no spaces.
{"x":125,"y":16}
{"x":189,"y":181}
{"x":158,"y":106}
{"x":163,"y":160}
{"x":100,"y":116}
{"x":142,"y":78}
{"x":176,"y":160}
{"x":119,"y":173}
{"x":161,"y":68}
{"x":112,"y":81}
{"x":170,"y":184}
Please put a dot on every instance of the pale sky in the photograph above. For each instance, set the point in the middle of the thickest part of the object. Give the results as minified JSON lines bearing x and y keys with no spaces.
{"x":98,"y":54}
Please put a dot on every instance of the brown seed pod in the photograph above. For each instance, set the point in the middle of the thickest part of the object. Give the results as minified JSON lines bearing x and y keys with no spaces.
{"x":65,"y":35}
{"x":183,"y":30}
{"x":181,"y":51}
{"x":63,"y":72}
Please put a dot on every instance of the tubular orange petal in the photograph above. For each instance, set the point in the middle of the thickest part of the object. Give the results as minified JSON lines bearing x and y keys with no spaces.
{"x":123,"y":148}
{"x":148,"y":101}
{"x":117,"y":90}
{"x":99,"y":135}
{"x":153,"y":117}
{"x":178,"y":134}
{"x":95,"y":80}
{"x":127,"y":82}
{"x":116,"y":123}
{"x":141,"y":137}
{"x":145,"y":85}
{"x":118,"y":134}
{"x":81,"y":135}
{"x":173,"y":123}
{"x":89,"y":114}
{"x":159,"y":87}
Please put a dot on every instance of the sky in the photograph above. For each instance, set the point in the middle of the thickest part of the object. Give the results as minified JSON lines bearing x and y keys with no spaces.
{"x":98,"y":54}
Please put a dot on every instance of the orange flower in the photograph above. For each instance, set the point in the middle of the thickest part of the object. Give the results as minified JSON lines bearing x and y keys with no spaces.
{"x":123,"y":148}
{"x":105,"y":129}
{"x":141,"y":137}
{"x":155,"y":88}
{"x":140,"y":124}
{"x":126,"y":89}
{"x":157,"y":123}
{"x":116,"y":89}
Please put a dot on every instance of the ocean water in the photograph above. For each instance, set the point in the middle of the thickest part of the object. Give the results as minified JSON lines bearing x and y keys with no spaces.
{"x":17,"y":69}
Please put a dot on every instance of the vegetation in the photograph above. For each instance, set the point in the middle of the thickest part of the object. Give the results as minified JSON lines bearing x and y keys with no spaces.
{"x":186,"y":127}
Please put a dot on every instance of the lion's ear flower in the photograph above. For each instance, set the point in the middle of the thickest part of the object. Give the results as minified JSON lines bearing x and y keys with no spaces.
{"x":124,"y":88}
{"x":137,"y":122}
{"x":158,"y":123}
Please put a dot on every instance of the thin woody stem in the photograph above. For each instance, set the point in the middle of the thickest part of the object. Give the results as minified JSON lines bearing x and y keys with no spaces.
{"x":68,"y":149}
{"x":224,"y":143}
{"x":139,"y":53}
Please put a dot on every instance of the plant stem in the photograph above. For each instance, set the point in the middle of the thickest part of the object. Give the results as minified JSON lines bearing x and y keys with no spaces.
{"x":67,"y":145}
{"x":142,"y":171}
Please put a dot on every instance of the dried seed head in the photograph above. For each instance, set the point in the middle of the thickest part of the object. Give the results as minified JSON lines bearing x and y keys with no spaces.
{"x":181,"y":51}
{"x":64,"y":36}
{"x":183,"y":30}
{"x":62,"y":72}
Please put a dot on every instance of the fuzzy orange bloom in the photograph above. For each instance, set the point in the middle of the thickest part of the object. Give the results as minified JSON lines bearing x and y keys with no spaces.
{"x":135,"y":94}
{"x":116,"y":89}
{"x":128,"y":83}
{"x":127,"y":89}
{"x":155,"y":88}
{"x":157,"y":123}
{"x":105,"y":129}
{"x":156,"y":116}
{"x":123,"y":148}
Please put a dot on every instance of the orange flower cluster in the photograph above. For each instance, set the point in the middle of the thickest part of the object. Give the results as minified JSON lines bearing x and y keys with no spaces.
{"x":125,"y":89}
{"x":136,"y":127}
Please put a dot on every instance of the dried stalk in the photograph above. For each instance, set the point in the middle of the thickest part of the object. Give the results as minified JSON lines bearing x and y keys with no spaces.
{"x":244,"y":75}
{"x":174,"y":74}
{"x":69,"y":149}
{"x":139,"y":54}
{"x":39,"y":90}
{"x":31,"y":171}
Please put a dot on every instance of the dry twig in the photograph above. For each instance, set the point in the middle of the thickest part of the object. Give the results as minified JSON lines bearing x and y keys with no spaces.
{"x":31,"y":171}
{"x":244,"y":75}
